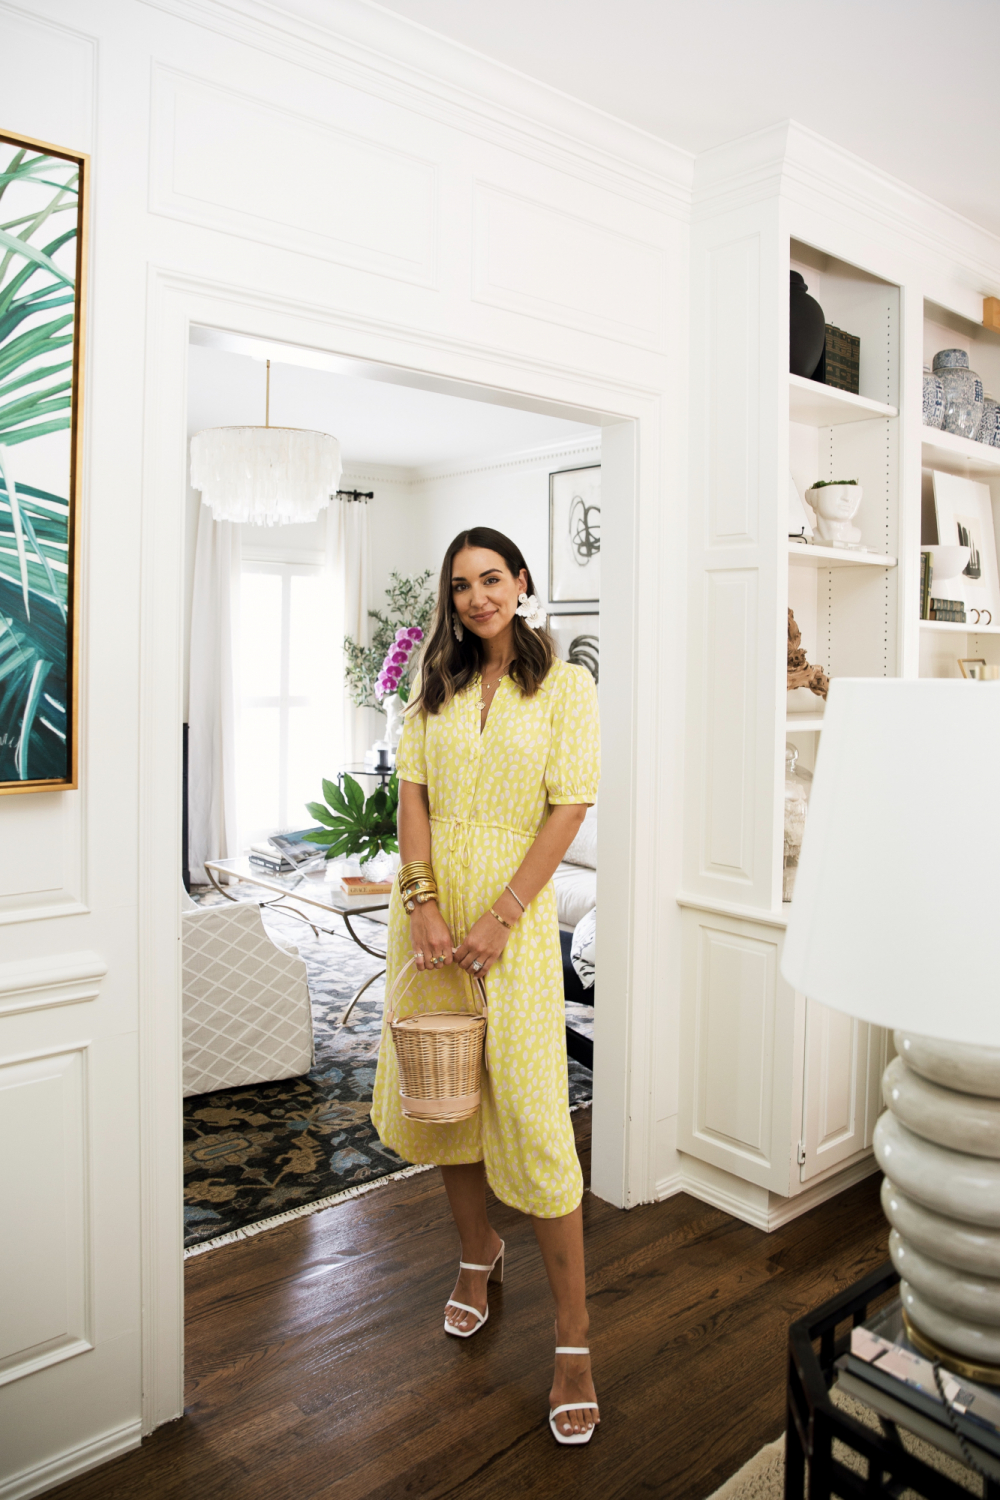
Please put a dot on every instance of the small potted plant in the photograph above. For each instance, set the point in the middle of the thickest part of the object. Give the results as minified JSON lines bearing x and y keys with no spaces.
{"x":358,"y":828}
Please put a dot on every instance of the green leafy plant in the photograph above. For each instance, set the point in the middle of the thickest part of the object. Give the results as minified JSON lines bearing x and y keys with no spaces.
{"x":824,"y":484}
{"x":409,"y":602}
{"x":352,"y":825}
{"x":36,"y":324}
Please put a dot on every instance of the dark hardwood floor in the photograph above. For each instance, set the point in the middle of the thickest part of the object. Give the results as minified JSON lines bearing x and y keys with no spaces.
{"x":317,"y":1365}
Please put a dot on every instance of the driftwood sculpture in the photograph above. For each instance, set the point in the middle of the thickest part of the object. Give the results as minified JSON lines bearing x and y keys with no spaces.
{"x":800,"y":673}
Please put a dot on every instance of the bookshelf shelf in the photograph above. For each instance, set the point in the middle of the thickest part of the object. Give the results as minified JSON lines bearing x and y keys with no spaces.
{"x":947,"y":627}
{"x":958,"y":455}
{"x":816,"y":405}
{"x":811,"y":723}
{"x":834,"y":557}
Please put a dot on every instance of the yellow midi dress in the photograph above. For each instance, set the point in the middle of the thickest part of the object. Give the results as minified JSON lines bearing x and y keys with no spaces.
{"x":489,"y":795}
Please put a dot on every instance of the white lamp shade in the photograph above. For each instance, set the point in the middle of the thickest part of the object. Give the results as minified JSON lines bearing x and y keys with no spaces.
{"x":270,"y":476}
{"x":896,"y":916}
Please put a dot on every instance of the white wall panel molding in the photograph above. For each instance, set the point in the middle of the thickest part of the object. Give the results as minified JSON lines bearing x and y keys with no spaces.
{"x":66,"y":116}
{"x":532,"y":258}
{"x":508,"y":373}
{"x":367,"y":47}
{"x":45,"y":1249}
{"x":52,"y":980}
{"x":729,"y":734}
{"x":218,"y":156}
{"x":77,"y":1460}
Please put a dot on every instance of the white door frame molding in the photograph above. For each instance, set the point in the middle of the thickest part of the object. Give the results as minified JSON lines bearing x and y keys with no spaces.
{"x":632,"y":566}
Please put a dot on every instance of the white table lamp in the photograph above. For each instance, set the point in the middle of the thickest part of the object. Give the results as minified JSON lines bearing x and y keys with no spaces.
{"x":896,"y":920}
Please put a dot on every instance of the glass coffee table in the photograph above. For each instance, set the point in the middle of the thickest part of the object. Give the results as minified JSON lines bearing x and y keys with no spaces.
{"x":306,"y":887}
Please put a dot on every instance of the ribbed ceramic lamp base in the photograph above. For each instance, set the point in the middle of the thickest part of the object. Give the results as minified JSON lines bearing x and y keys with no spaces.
{"x":939,"y":1146}
{"x":930,"y":1349}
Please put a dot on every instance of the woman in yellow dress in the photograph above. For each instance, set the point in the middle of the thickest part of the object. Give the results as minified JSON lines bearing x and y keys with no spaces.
{"x":498,"y":762}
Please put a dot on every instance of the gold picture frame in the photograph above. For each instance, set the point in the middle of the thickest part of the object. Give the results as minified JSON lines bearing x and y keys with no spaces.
{"x":45,"y":204}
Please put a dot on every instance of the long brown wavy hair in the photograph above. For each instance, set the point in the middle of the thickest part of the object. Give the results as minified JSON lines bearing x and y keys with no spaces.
{"x":446,"y":664}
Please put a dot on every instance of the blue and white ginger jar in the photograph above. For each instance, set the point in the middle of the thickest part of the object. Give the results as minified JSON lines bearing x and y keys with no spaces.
{"x":989,"y":423}
{"x":933,"y":398}
{"x":963,"y":392}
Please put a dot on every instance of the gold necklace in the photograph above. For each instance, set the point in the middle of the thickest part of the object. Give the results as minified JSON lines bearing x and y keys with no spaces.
{"x":484,"y":687}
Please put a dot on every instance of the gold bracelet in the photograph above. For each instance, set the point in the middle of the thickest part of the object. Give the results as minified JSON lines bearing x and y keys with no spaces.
{"x":416,"y":869}
{"x":515,"y":895}
{"x":419,"y":901}
{"x":509,"y":925}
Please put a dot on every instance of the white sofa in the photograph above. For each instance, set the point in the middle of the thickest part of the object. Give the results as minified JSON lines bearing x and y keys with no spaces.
{"x":575,"y":880}
{"x":246,"y":1014}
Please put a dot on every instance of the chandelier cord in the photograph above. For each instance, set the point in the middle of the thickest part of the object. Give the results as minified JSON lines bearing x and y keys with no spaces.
{"x":267,"y":397}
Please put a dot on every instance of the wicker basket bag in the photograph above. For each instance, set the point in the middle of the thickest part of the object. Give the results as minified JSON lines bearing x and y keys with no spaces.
{"x":439,"y":1055}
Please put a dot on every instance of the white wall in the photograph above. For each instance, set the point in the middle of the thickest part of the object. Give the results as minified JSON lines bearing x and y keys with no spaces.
{"x":471,"y":228}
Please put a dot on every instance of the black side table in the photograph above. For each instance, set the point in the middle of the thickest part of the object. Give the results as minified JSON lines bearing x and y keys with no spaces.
{"x":814,"y":1421}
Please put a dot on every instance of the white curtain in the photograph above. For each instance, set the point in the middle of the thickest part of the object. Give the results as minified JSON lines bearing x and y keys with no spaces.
{"x":348,"y":561}
{"x":213,"y":696}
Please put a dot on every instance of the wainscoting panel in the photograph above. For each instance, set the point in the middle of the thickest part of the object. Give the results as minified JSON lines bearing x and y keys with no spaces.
{"x":735,"y":1034}
{"x":532,"y":258}
{"x":44,"y":1232}
{"x":730,"y":632}
{"x":41,"y":869}
{"x":733,"y":372}
{"x":222,"y":159}
{"x":59,"y":979}
{"x":736,"y":1020}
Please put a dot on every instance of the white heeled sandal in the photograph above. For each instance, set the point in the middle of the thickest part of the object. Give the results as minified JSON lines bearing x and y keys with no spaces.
{"x":572,"y":1437}
{"x":467,"y":1265}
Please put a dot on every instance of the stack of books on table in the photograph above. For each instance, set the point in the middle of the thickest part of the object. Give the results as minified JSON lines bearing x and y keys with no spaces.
{"x":270,"y":860}
{"x":355,"y":888}
{"x":886,"y":1373}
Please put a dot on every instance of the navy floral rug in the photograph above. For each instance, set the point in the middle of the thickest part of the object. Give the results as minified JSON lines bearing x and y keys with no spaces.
{"x":272,"y":1150}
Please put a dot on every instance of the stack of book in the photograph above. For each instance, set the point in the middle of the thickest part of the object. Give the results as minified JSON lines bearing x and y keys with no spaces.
{"x":887,"y":1373}
{"x":947,"y":609}
{"x":926,"y":569}
{"x":265,"y":857}
{"x":356,"y":888}
{"x":843,"y":359}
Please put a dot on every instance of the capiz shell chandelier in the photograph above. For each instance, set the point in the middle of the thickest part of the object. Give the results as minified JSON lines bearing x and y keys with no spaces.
{"x":269,"y":476}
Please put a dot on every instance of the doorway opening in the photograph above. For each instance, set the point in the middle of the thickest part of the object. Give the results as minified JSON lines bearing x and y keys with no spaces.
{"x":280,"y":1127}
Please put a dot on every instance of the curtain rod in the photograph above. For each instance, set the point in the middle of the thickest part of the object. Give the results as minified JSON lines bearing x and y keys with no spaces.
{"x":356,"y":495}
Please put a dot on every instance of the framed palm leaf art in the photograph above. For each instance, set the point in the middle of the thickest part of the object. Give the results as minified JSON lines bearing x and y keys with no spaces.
{"x":43,"y":257}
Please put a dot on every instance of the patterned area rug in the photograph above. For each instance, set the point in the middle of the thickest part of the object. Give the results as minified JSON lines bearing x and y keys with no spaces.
{"x":271,"y":1150}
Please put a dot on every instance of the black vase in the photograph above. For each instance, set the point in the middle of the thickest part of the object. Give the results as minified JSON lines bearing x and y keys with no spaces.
{"x":806,"y":330}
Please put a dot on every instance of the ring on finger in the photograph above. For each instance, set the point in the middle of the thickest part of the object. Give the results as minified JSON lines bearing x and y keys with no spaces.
{"x":439,"y":960}
{"x":476,"y":966}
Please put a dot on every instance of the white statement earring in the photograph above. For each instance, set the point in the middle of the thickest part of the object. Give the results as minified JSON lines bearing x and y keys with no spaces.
{"x":457,"y":627}
{"x":531,"y":611}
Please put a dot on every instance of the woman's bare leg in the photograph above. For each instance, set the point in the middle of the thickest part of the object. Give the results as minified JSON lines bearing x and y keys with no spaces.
{"x":466,"y":1189}
{"x":561,"y":1244}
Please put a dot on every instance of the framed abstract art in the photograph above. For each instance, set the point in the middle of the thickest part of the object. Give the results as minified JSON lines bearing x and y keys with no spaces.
{"x":43,"y":259}
{"x":575,"y":536}
{"x":577,"y":640}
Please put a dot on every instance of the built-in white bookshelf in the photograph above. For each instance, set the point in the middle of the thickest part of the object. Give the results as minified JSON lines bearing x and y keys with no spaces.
{"x":942,"y":642}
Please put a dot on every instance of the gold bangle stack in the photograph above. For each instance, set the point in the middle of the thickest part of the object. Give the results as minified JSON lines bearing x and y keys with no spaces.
{"x":416,"y":884}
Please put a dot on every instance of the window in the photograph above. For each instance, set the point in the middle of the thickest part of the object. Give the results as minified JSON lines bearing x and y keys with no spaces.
{"x":284,"y":739}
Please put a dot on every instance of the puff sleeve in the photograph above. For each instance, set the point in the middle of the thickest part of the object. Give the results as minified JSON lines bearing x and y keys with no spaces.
{"x":411,"y":752}
{"x":573,"y":769}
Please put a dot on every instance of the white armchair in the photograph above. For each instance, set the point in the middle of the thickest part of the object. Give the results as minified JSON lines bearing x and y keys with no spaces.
{"x":247,"y":1016}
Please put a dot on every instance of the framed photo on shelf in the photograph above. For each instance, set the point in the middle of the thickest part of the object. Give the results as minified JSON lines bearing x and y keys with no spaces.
{"x":971,"y":667}
{"x":577,"y":639}
{"x":43,"y":277}
{"x":965,"y":519}
{"x":575,"y":535}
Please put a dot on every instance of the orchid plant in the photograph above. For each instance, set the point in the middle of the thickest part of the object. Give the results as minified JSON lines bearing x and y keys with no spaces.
{"x":394,"y":674}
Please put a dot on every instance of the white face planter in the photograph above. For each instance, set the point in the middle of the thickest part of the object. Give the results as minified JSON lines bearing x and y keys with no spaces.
{"x":835,"y":506}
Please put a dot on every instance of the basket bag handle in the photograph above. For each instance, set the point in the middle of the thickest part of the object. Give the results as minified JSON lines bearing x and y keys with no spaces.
{"x":395,"y":995}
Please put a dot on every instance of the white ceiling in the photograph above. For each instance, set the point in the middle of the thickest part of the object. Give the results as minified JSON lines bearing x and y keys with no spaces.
{"x":376,"y":421}
{"x":910,"y":85}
